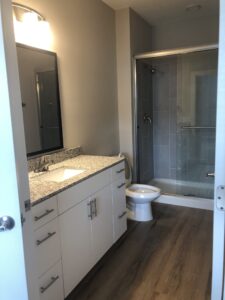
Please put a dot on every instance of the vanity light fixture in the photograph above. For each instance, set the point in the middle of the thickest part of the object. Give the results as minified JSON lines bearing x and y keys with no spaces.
{"x":30,"y":27}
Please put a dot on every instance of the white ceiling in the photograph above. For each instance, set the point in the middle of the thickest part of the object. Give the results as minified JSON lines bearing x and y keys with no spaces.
{"x":156,"y":11}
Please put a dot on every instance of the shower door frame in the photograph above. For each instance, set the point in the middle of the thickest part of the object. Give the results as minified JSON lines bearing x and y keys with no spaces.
{"x":154,"y":54}
{"x":218,"y":265}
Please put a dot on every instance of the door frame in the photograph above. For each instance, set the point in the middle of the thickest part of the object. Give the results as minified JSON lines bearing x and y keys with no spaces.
{"x":218,"y":285}
{"x":19,"y":278}
{"x":153,"y":54}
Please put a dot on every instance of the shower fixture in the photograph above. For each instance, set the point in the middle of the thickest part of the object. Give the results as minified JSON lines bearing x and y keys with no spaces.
{"x":153,"y":69}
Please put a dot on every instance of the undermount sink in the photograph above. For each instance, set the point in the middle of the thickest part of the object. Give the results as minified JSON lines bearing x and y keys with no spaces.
{"x":61,"y":174}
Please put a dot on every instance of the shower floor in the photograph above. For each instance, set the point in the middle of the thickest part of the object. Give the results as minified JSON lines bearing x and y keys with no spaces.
{"x":184,"y":188}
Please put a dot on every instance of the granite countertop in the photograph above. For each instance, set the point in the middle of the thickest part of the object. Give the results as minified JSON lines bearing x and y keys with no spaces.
{"x":40,"y":189}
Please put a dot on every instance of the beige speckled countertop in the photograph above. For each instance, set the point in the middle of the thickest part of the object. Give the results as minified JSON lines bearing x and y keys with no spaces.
{"x":40,"y":189}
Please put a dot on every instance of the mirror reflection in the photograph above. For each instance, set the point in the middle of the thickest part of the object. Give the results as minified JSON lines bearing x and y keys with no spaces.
{"x":40,"y":99}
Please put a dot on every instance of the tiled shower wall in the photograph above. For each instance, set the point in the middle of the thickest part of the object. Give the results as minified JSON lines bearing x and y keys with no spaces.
{"x":164,"y":117}
{"x":184,"y":94}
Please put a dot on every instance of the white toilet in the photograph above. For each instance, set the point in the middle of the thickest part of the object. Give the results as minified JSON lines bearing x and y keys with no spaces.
{"x":139,"y":197}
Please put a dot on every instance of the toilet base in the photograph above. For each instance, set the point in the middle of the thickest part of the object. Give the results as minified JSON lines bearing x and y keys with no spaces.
{"x":139,"y":212}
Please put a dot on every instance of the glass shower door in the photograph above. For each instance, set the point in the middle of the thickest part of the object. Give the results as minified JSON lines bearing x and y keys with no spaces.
{"x":196,"y":119}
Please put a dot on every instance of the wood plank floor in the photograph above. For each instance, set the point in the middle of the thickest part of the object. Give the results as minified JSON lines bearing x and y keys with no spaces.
{"x":168,"y":258}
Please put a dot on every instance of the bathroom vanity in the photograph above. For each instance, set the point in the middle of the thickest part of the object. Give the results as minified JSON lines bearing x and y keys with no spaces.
{"x":76,"y":220}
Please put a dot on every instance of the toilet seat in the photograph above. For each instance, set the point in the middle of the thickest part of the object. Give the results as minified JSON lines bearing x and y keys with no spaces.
{"x":139,"y":197}
{"x":142,"y":191}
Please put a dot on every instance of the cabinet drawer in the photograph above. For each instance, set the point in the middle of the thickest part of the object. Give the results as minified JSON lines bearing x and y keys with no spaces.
{"x":118,"y":171}
{"x":51,"y":284}
{"x":44,"y":212}
{"x":47,"y":246}
{"x":83,"y":190}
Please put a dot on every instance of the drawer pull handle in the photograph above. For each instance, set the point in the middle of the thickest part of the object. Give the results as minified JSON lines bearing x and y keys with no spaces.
{"x":90,"y":217}
{"x":95,"y":207}
{"x":123,"y":214}
{"x":92,"y":209}
{"x":120,"y":171}
{"x":47,"y":212}
{"x":53,"y":280}
{"x":121,"y":185}
{"x":50,"y":234}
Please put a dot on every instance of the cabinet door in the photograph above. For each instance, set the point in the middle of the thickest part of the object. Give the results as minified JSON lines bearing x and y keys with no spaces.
{"x":119,"y":208}
{"x":75,"y":230}
{"x":102,"y":223}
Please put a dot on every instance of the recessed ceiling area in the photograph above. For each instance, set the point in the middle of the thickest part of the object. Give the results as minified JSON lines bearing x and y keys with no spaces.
{"x":157,"y":11}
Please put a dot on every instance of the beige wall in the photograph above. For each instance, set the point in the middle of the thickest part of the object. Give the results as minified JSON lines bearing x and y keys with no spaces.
{"x":185,"y":33}
{"x":140,"y":34}
{"x":124,"y":80}
{"x":133,"y":35}
{"x":84,"y":40}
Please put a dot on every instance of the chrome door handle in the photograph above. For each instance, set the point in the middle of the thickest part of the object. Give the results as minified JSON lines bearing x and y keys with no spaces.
{"x":6,"y":223}
{"x":210,"y":174}
{"x":90,"y":208}
{"x":95,"y":207}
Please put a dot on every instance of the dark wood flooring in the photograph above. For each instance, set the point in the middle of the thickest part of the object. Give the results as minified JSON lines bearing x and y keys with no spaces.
{"x":168,"y":258}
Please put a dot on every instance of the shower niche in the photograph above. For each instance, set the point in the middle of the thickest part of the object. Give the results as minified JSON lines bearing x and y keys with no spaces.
{"x":176,"y":147}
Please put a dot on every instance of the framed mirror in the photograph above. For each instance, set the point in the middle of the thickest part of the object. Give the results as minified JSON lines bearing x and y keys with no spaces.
{"x":40,"y":99}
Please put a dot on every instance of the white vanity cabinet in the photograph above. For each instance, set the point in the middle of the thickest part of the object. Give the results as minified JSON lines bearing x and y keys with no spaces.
{"x":86,"y":228}
{"x":47,"y":247}
{"x":75,"y":228}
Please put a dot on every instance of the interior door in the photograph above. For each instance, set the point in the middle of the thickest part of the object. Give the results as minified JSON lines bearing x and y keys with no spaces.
{"x":219,"y":197}
{"x":16,"y":261}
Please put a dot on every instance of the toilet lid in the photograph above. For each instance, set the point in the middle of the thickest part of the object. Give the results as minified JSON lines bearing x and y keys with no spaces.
{"x":141,"y":190}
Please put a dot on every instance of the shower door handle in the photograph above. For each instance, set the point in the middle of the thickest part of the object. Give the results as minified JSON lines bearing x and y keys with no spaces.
{"x":147,"y":119}
{"x":210,"y":174}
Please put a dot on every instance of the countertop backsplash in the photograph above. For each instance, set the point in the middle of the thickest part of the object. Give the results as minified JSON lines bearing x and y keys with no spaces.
{"x":53,"y":158}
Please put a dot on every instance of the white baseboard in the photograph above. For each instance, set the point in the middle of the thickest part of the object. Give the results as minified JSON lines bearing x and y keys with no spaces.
{"x":193,"y":202}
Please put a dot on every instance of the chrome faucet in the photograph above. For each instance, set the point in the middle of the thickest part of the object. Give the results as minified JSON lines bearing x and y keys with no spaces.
{"x":43,"y":165}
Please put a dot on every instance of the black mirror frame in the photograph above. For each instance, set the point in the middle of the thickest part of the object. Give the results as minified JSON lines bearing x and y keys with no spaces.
{"x":36,"y":153}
